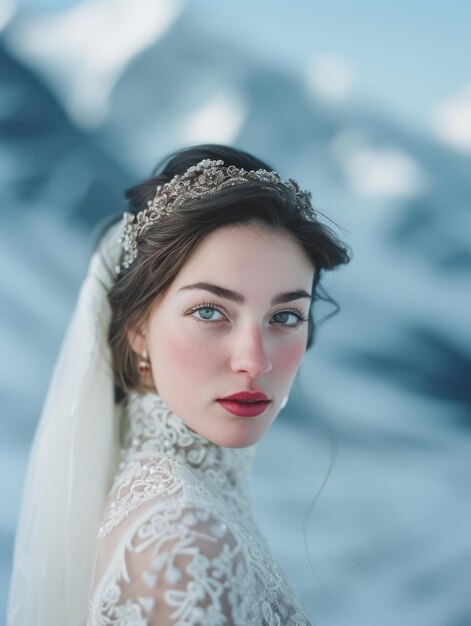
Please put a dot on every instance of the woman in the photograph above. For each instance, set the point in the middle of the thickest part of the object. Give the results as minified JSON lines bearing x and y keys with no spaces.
{"x":191,"y":324}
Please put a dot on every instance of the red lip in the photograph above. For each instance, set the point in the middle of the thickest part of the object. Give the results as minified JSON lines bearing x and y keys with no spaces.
{"x":245,"y":403}
{"x":248,"y":396}
{"x":244,"y":409}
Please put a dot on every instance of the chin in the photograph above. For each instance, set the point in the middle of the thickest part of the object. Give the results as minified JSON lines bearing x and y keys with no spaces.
{"x":238,"y":444}
{"x":238,"y":441}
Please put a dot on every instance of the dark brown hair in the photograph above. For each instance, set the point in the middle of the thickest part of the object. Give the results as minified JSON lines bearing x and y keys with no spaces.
{"x":165,"y":246}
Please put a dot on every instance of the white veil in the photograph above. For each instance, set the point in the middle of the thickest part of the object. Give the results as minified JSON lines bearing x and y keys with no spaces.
{"x":71,"y":463}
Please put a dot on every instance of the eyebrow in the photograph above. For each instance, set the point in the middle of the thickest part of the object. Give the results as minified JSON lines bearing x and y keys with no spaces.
{"x":234,"y":296}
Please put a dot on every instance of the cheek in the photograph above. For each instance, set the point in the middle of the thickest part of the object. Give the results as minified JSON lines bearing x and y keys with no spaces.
{"x":191,"y":354}
{"x":289,"y":357}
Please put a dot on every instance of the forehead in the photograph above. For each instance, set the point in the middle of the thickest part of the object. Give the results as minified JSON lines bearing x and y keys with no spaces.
{"x":247,"y":252}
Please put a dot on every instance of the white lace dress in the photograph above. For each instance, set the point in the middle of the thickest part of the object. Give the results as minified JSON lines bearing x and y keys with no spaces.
{"x":178,"y":544}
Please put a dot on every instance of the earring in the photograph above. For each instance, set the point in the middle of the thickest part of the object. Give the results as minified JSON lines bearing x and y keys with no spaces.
{"x":284,"y":402}
{"x":143,"y":364}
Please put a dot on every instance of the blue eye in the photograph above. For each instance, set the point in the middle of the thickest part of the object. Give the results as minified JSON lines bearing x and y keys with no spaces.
{"x":205,"y":313}
{"x":294,"y":313}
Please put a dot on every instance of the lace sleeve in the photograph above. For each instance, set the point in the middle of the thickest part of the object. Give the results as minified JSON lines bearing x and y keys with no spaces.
{"x":179,"y":565}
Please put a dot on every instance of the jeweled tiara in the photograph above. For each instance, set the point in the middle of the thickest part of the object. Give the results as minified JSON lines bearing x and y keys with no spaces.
{"x":202,"y":179}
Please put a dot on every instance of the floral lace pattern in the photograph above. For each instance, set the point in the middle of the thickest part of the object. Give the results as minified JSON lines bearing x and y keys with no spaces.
{"x":179,"y":545}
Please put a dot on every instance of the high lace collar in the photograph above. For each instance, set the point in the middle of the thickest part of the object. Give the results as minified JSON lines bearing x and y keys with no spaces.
{"x":155,"y":431}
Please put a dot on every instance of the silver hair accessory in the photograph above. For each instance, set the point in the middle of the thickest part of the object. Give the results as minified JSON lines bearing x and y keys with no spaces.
{"x":204,"y":178}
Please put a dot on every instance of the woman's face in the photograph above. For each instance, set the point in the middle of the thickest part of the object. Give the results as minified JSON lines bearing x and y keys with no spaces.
{"x":204,"y":346}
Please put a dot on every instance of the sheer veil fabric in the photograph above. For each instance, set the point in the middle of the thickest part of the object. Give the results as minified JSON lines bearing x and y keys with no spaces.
{"x":71,"y":463}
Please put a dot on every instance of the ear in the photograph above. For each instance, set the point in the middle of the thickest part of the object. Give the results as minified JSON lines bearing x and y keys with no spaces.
{"x":137,"y":339}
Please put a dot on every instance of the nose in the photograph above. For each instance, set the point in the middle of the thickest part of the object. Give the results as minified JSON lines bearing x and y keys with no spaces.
{"x":250,"y":353}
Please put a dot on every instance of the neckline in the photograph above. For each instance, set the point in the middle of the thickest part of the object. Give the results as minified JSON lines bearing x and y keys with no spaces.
{"x":155,"y":431}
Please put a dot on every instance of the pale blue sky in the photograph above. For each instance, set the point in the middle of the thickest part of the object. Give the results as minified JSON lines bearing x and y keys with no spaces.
{"x":405,"y":57}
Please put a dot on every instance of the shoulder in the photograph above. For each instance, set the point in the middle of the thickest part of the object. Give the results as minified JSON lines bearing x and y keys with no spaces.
{"x":150,"y":483}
